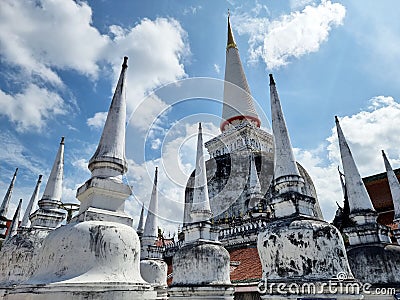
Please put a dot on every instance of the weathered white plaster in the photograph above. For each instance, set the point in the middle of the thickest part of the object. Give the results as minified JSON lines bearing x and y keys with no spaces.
{"x":154,"y":271}
{"x":109,"y":159}
{"x":53,"y":190}
{"x":32,"y":202}
{"x":82,"y":291}
{"x":357,"y":194}
{"x":201,"y":293}
{"x":18,"y":256}
{"x":103,"y":196}
{"x":286,"y":174}
{"x":49,"y":214}
{"x":307,"y":249}
{"x":376,"y":263}
{"x":371,"y":232}
{"x":150,"y":232}
{"x":93,"y":251}
{"x":255,"y":194}
{"x":201,"y":264}
{"x":103,"y":199}
{"x":201,"y":210}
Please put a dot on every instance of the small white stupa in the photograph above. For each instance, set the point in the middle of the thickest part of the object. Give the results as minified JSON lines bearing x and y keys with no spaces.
{"x":49,"y":215}
{"x":296,"y":247}
{"x":201,"y":267}
{"x":373,"y":258}
{"x":152,"y":267}
{"x":18,"y":254}
{"x":96,"y":255}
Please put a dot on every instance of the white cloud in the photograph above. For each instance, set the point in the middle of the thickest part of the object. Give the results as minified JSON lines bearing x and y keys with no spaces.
{"x":98,"y":120}
{"x":217,"y":68}
{"x":292,"y":35}
{"x":31,"y":109}
{"x":298,"y":4}
{"x":147,"y":112}
{"x":59,"y":35}
{"x":155,"y":50}
{"x":175,"y":165}
{"x":48,"y":36}
{"x":367,"y":133}
{"x":192,"y":10}
{"x":155,"y":144}
{"x":370,"y":131}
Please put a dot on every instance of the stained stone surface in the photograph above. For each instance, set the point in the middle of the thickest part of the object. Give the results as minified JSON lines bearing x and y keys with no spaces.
{"x":17,"y":256}
{"x":227,"y":184}
{"x":92,"y":251}
{"x":302,"y":248}
{"x":376,"y":263}
{"x":201,"y":264}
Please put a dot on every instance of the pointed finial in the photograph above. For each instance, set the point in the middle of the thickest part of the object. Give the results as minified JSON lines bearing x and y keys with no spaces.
{"x":271,"y":80}
{"x":109,"y":159}
{"x":13,"y":230}
{"x":254,"y":183}
{"x":231,"y":41}
{"x":394,"y":186}
{"x":125,"y":63}
{"x":359,"y":200}
{"x":200,"y":210}
{"x":150,"y":227}
{"x":6,"y":201}
{"x":285,"y":168}
{"x":336,"y":119}
{"x":53,"y":190}
{"x":141,"y":222}
{"x":34,"y":199}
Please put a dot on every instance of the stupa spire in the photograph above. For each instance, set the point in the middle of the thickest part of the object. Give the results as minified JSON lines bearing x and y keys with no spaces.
{"x":34,"y":199}
{"x":104,"y":194}
{"x":151,"y":225}
{"x":254,"y":183}
{"x":359,"y":200}
{"x":200,"y":210}
{"x":51,"y":198}
{"x":231,"y":41}
{"x":238,"y":103}
{"x":15,"y":222}
{"x":286,"y":174}
{"x":140,"y":226}
{"x":49,"y":214}
{"x":6,"y":201}
{"x":109,"y":159}
{"x":394,"y":187}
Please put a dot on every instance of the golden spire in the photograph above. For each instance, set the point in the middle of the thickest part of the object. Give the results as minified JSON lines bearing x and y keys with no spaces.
{"x":231,"y":41}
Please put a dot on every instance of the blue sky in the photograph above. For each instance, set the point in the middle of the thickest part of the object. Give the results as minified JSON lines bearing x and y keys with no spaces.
{"x":59,"y":63}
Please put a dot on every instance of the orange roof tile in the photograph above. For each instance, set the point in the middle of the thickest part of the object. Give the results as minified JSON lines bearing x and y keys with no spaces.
{"x":245,"y":265}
